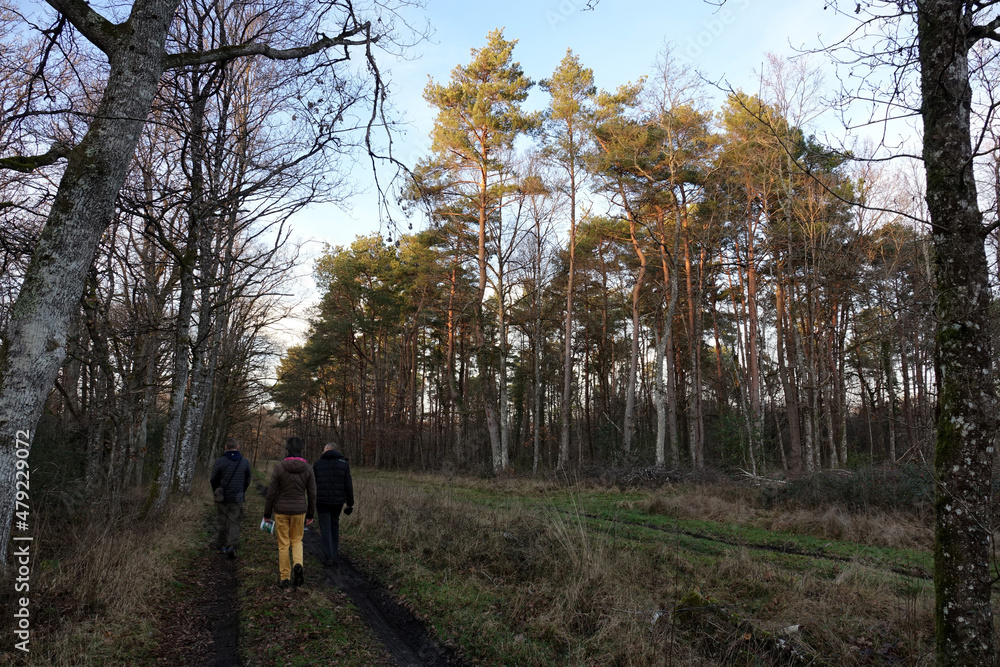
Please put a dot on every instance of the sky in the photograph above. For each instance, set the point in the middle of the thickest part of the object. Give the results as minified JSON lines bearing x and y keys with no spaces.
{"x":618,"y":39}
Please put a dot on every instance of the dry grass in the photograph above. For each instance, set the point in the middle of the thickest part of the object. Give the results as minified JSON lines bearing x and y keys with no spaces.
{"x":722,"y":503}
{"x":518,"y":583}
{"x":95,"y":581}
{"x":885,"y":529}
{"x":549,"y":589}
{"x":701,"y":503}
{"x":731,"y":503}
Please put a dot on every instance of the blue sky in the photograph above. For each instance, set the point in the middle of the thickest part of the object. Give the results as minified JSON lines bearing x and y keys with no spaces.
{"x":618,"y":39}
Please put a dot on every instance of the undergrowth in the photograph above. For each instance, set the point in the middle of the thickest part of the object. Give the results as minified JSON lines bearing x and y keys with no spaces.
{"x":96,"y":578}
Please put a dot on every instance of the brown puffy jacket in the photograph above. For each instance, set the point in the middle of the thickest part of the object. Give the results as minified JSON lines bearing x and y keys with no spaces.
{"x":292,"y":481}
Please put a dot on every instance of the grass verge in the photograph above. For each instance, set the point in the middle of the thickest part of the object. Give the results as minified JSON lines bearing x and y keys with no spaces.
{"x":97,"y":583}
{"x":532,"y":574}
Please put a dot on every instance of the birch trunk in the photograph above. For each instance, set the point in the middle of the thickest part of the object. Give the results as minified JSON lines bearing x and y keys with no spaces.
{"x":668,"y":264}
{"x":537,"y":350}
{"x":202,"y":374}
{"x":502,"y":384}
{"x":787,"y":388}
{"x":696,"y":441}
{"x":801,"y":372}
{"x":660,"y":396}
{"x":634,"y":360}
{"x":178,"y":384}
{"x":567,"y":398}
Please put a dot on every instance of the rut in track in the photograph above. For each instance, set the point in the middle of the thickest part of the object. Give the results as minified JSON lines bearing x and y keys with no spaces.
{"x":403,"y":635}
{"x":914,"y":572}
{"x":223,"y":615}
{"x":203,"y":629}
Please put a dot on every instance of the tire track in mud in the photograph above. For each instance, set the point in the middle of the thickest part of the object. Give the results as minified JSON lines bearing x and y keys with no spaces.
{"x":202,"y":628}
{"x":787,"y":549}
{"x":223,"y":614}
{"x":402,"y":634}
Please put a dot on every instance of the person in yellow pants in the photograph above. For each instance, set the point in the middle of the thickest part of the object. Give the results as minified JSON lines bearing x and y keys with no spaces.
{"x":291,"y":497}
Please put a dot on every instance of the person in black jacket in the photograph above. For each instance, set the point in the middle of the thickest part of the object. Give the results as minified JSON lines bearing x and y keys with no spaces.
{"x":334,"y":490}
{"x":232,"y":472}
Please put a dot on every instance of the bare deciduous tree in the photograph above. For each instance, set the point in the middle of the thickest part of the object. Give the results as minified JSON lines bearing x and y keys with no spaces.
{"x":137,"y":56}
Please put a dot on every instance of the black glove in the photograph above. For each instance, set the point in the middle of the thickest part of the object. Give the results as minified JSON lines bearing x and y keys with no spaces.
{"x":348,"y":509}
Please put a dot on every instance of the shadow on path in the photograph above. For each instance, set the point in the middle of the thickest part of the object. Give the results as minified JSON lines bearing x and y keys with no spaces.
{"x":200,"y":620}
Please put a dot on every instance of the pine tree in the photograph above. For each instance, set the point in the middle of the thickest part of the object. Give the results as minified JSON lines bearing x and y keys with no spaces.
{"x":572,"y":89}
{"x":479,"y":117}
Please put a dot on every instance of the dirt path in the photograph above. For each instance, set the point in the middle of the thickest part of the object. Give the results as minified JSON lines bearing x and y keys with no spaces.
{"x":402,"y":634}
{"x":223,"y":618}
{"x":200,"y":619}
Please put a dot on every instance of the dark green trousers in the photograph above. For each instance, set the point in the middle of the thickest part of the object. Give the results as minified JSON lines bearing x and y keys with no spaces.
{"x":227,"y":524}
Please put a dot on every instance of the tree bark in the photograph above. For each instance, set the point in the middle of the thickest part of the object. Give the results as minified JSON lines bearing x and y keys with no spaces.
{"x":967,"y":420}
{"x":35,"y":344}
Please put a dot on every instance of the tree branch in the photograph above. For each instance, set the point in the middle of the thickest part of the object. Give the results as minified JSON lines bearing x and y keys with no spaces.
{"x":988,"y":31}
{"x":225,"y":53}
{"x":29,"y":163}
{"x":98,"y":30}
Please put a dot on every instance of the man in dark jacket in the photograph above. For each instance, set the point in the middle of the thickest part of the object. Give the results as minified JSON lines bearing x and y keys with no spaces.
{"x":231,"y":472}
{"x":333,"y":490}
{"x":291,"y":496}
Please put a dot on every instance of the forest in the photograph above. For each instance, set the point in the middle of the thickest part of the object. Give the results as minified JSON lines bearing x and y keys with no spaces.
{"x":628,"y":277}
{"x":671,"y":279}
{"x":168,"y":351}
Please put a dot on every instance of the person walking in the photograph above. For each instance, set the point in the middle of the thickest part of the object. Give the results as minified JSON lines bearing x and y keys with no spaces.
{"x":291,"y":497}
{"x":230,"y":479}
{"x":334,"y":490}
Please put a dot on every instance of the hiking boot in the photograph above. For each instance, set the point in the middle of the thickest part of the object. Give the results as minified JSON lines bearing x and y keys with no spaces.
{"x":297,"y":573}
{"x":284,"y":583}
{"x":231,"y":552}
{"x":221,"y":550}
